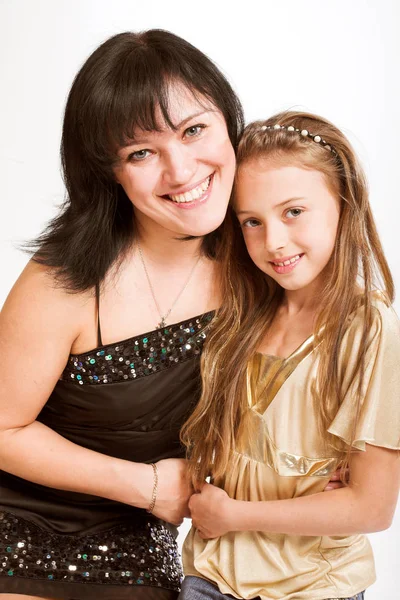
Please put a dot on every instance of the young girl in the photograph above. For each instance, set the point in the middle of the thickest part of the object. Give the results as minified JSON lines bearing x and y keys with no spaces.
{"x":303,"y":375}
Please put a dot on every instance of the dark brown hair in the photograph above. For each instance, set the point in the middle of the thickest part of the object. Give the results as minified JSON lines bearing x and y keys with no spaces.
{"x":357,"y":266}
{"x":119,"y":87}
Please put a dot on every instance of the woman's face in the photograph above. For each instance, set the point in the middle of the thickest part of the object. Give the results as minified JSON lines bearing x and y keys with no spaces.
{"x":180,"y":180}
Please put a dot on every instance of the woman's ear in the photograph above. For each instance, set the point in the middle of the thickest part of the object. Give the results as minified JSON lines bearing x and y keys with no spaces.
{"x":115,"y":174}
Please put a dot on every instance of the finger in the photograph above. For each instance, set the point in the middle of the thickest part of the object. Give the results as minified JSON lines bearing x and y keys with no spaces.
{"x":203,"y":534}
{"x":207,"y":535}
{"x":333,"y":485}
{"x":200,"y":486}
{"x":204,"y":487}
{"x":192,"y":502}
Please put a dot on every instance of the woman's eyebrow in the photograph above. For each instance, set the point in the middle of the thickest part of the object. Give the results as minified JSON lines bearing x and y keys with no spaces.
{"x":197,"y":114}
{"x":139,"y":140}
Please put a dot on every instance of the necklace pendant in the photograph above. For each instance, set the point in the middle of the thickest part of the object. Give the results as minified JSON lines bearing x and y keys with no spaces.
{"x":163,"y":323}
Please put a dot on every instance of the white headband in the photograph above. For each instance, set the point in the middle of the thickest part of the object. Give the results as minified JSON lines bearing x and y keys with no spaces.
{"x":304,"y":132}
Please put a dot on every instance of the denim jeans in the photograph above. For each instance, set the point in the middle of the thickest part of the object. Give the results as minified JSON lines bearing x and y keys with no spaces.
{"x":195,"y":588}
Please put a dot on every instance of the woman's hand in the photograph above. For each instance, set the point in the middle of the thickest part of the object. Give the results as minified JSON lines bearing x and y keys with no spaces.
{"x":209,"y":508}
{"x":173,"y":491}
{"x":211,"y":511}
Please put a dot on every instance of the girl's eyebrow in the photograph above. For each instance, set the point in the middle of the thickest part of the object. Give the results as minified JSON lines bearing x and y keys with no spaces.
{"x":138,"y":140}
{"x":244,"y":212}
{"x":294,"y":199}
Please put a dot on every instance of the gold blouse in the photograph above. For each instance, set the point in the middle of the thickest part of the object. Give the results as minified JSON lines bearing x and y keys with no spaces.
{"x":290,"y":458}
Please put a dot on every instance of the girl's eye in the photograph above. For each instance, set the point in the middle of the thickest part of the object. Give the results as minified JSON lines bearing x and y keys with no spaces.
{"x":293,"y":213}
{"x":194,"y":130}
{"x":251,"y":223}
{"x":139,"y":155}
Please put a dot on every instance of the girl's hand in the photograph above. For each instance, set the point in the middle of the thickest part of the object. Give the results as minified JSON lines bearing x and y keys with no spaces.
{"x":173,"y":491}
{"x":211,"y":511}
{"x":335,"y":482}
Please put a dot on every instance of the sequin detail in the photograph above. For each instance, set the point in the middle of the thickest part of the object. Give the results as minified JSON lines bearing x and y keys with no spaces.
{"x":359,"y":596}
{"x":145,"y":555}
{"x":139,"y":356}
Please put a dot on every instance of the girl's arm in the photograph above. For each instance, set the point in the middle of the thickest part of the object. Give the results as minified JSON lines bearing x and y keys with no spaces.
{"x":366,"y":505}
{"x":38,"y":326}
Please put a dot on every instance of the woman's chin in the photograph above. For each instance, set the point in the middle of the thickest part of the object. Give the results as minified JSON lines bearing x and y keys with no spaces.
{"x":206,"y":224}
{"x":203,"y":231}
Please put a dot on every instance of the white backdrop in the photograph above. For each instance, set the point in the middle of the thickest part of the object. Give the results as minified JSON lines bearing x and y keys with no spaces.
{"x":334,"y":58}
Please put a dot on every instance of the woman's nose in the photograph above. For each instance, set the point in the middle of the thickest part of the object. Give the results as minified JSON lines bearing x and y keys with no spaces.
{"x":179,"y":166}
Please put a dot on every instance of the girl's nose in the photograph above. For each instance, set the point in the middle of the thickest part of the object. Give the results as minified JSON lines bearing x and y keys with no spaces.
{"x":275,"y":237}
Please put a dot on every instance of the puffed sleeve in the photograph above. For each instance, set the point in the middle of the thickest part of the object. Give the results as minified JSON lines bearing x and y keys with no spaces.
{"x":378,"y":421}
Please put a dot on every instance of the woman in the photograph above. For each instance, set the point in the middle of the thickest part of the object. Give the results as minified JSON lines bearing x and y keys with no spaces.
{"x":110,"y":317}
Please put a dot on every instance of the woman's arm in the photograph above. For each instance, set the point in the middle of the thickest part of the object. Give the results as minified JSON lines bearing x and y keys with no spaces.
{"x":38,"y":326}
{"x":367,"y":504}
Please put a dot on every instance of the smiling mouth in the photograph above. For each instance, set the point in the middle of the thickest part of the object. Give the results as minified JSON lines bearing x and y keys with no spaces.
{"x":194,"y":194}
{"x":288,"y":262}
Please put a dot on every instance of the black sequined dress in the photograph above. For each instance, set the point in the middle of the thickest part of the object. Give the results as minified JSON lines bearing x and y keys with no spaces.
{"x":127,"y":400}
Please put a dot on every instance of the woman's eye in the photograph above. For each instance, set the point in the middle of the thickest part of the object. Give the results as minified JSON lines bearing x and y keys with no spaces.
{"x":139,"y":155}
{"x":293,"y":213}
{"x":194,"y":130}
{"x":251,"y":223}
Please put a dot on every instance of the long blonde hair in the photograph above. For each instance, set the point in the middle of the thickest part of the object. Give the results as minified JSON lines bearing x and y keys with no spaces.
{"x":357,"y":265}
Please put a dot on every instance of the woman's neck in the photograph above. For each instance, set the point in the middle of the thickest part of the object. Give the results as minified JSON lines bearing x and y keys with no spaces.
{"x":161,"y":246}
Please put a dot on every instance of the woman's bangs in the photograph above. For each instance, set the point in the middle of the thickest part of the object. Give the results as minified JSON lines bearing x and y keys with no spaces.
{"x":141,"y":100}
{"x":139,"y":107}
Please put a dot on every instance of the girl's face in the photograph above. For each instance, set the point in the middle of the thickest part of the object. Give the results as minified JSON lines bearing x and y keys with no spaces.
{"x":180,"y":181}
{"x":289,"y":218}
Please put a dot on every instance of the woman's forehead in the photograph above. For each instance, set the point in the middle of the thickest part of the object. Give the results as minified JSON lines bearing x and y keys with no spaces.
{"x":180,"y":107}
{"x":161,"y":116}
{"x":183,"y":109}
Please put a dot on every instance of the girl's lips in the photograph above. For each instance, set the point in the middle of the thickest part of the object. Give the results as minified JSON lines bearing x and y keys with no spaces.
{"x":195,"y":203}
{"x":282,"y":270}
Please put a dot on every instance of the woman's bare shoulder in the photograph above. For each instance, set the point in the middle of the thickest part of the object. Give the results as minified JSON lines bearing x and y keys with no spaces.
{"x":39,"y":324}
{"x":39,"y":302}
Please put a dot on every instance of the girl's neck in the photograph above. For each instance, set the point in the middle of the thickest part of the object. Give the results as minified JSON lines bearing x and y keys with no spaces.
{"x":304,"y":300}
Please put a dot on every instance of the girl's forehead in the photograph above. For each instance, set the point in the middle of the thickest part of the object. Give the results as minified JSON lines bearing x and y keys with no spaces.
{"x":272,"y":183}
{"x":283,"y":171}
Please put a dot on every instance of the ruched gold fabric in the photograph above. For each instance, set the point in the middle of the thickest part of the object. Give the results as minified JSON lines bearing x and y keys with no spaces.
{"x":287,"y":457}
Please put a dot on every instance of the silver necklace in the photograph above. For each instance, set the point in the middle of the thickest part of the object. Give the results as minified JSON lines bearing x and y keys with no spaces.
{"x":164,"y":317}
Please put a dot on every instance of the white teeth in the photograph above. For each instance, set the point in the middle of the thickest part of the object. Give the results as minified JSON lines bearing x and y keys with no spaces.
{"x":287,"y":262}
{"x":192,"y":194}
